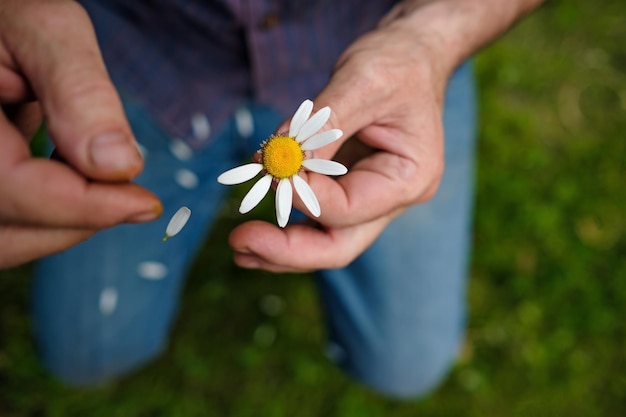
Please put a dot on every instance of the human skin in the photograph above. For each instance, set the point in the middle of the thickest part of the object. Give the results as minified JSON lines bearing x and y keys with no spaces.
{"x":50,"y":66}
{"x":386,"y":93}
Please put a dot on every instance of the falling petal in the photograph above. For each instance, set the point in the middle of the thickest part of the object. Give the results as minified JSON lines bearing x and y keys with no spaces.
{"x":244,"y":122}
{"x":301,"y":116}
{"x":321,"y":139}
{"x":177,"y":222}
{"x":239,"y":174}
{"x":152,"y":270}
{"x":256,"y":194}
{"x":307,"y":195}
{"x":181,"y":150}
{"x":323,"y":166}
{"x":284,"y":195}
{"x":186,"y":178}
{"x":108,"y":300}
{"x":200,"y":126}
{"x":315,"y":123}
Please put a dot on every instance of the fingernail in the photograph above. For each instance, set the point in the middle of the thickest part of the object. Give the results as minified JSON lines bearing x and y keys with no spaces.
{"x":114,"y":151}
{"x":146,"y":216}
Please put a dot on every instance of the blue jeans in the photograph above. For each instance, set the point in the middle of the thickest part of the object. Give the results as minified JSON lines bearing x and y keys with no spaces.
{"x":395,"y":316}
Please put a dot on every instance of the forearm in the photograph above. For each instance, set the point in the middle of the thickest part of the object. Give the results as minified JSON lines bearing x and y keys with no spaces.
{"x":452,"y":30}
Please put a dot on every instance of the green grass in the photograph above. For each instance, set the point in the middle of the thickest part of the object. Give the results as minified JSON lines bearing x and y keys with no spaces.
{"x":546,"y":331}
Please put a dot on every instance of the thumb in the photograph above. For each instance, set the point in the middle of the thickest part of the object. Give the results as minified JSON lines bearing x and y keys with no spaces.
{"x":54,"y":45}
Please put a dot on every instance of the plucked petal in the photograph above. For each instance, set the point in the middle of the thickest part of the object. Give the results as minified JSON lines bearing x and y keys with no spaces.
{"x":315,"y":123}
{"x":321,"y":139}
{"x":256,"y":194}
{"x":324,"y":166}
{"x":239,"y":174}
{"x":284,"y":195}
{"x":177,"y":222}
{"x":301,"y":116}
{"x":307,"y":195}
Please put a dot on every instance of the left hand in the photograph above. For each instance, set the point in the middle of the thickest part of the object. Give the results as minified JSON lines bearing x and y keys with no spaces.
{"x":386,"y":94}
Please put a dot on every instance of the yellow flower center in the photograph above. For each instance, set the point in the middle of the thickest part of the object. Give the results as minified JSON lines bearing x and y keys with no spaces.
{"x":282,"y":156}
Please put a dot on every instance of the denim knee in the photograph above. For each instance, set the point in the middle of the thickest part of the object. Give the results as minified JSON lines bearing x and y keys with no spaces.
{"x":94,"y":364}
{"x":397,"y":370}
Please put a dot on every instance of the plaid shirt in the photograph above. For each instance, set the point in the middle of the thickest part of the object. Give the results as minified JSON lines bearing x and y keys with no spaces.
{"x":192,"y":63}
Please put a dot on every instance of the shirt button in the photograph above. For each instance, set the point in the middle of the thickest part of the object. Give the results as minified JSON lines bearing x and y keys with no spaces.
{"x":269,"y":21}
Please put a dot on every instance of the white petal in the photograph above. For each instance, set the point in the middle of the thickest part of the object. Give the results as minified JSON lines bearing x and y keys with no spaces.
{"x":181,"y":150}
{"x":324,"y":166}
{"x":177,"y":222}
{"x":108,"y":300}
{"x":301,"y":115}
{"x":256,"y":194}
{"x":186,"y":178}
{"x":200,"y":126}
{"x":321,"y":139}
{"x":283,"y":202}
{"x":152,"y":270}
{"x":244,"y":122}
{"x":239,"y":174}
{"x":315,"y":123}
{"x":307,"y":195}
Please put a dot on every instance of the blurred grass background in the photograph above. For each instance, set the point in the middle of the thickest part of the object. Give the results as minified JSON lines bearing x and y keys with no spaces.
{"x":546,"y":332}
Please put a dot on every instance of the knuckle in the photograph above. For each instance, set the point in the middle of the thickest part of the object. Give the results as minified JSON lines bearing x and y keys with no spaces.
{"x":368,"y":72}
{"x":407,"y":174}
{"x":341,"y":262}
{"x":56,"y":17}
{"x":429,"y":192}
{"x":81,"y":86}
{"x":432,"y":185}
{"x":418,"y":179}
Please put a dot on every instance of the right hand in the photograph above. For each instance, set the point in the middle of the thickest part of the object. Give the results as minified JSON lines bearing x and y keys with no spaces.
{"x":51,"y":67}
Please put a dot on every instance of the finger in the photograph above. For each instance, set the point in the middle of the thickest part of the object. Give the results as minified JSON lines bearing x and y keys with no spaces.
{"x":379,"y":180}
{"x":46,"y":192}
{"x":377,"y":185}
{"x":13,"y":87}
{"x":19,"y":244}
{"x":55,"y":47}
{"x":352,"y":151}
{"x":354,"y":102}
{"x":402,"y":163}
{"x":25,"y":117}
{"x":352,"y":94}
{"x":300,"y":248}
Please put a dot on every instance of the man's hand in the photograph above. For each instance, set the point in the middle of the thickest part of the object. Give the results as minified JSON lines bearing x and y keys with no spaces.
{"x":386,"y":94}
{"x":50,"y":67}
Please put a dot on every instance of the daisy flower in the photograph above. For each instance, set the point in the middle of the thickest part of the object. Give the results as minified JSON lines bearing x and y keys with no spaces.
{"x":282,"y":157}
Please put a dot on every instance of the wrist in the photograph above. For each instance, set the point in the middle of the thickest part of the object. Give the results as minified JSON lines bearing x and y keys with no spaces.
{"x":450,"y":31}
